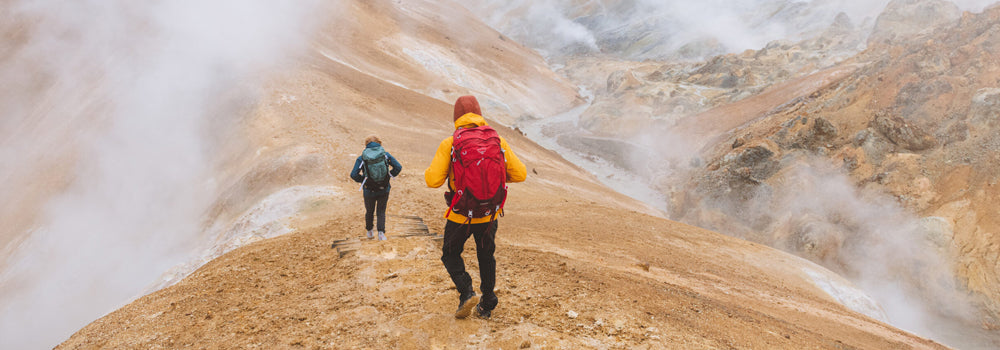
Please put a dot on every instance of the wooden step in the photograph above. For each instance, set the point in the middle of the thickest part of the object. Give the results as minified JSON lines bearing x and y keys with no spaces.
{"x":397,"y":226}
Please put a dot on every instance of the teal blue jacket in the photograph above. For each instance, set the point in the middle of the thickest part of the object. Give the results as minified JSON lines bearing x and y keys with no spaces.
{"x":357,"y":174}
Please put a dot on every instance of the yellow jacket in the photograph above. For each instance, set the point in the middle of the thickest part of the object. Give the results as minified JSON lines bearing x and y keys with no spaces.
{"x":440,"y":169}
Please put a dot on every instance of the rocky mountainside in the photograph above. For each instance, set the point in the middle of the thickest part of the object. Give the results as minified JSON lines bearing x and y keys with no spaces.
{"x":628,"y":96}
{"x":877,"y":164}
{"x":912,"y":121}
{"x":581,"y":266}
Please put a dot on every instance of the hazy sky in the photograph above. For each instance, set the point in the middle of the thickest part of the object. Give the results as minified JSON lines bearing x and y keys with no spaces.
{"x":553,"y":26}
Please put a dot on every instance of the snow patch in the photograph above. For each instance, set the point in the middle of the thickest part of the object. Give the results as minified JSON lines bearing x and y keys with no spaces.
{"x":438,"y":63}
{"x":334,"y":58}
{"x":442,"y":62}
{"x":846,"y":293}
{"x":287,"y":99}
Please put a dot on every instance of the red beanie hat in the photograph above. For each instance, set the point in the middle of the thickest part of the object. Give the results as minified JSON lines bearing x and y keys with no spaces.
{"x":466,"y":104}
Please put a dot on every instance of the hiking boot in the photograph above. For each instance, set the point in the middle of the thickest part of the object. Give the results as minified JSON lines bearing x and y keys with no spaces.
{"x":381,"y":235}
{"x":483,"y":313}
{"x":465,"y":305}
{"x":371,"y":234}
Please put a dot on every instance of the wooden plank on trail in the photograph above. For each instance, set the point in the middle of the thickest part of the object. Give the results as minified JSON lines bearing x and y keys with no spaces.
{"x":346,"y":246}
{"x":399,"y":226}
{"x":409,"y":226}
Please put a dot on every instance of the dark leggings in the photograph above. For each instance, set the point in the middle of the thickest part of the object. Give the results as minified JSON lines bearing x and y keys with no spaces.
{"x":375,"y":205}
{"x":455,"y":235}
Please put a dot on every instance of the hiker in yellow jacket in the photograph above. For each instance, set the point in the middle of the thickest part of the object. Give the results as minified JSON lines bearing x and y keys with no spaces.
{"x":458,"y":227}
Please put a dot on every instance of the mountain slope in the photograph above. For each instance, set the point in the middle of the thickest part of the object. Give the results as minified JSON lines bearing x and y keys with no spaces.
{"x":875,"y":159}
{"x":913,"y":121}
{"x":580,"y":266}
{"x":633,"y":279}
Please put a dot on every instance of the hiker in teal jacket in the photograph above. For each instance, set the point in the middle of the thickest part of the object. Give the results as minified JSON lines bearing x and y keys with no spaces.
{"x":376,"y":192}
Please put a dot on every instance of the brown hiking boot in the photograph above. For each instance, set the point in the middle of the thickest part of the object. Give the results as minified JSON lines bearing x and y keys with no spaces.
{"x":466,"y":305}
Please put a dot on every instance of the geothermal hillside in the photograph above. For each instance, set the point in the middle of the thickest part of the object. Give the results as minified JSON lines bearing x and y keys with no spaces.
{"x":865,"y":146}
{"x":171,"y":188}
{"x":910,"y":126}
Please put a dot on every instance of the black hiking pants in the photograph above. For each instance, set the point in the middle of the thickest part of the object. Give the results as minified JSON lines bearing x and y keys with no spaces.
{"x":375,"y":205}
{"x":455,"y":236}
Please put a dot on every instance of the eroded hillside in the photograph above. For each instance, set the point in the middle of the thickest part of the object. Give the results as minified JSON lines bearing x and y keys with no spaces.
{"x":867,"y":147}
{"x":913,"y":120}
{"x":581,"y":266}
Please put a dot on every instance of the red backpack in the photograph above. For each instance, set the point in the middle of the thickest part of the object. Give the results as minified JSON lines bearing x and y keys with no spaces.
{"x":480,"y":172}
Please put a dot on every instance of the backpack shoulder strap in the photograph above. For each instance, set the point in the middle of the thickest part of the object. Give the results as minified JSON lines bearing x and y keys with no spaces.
{"x":388,"y":165}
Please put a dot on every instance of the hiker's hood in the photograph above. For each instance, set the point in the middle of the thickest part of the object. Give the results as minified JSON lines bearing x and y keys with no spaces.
{"x":373,"y":144}
{"x":466,"y":104}
{"x":470,"y":120}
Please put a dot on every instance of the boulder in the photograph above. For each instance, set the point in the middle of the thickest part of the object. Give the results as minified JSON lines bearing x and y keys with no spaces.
{"x":622,"y":80}
{"x":985,"y":108}
{"x":873,"y":144}
{"x":805,"y":133}
{"x":909,"y":136}
{"x":754,"y":163}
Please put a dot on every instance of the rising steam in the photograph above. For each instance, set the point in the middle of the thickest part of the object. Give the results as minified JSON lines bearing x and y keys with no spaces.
{"x":817,"y":212}
{"x":670,"y":29}
{"x":123,"y":103}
